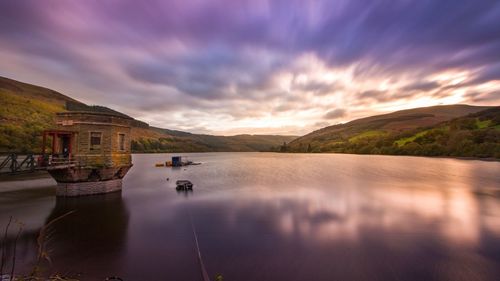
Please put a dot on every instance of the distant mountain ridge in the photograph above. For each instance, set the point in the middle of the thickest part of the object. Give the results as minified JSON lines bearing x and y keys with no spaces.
{"x":395,"y":121}
{"x":446,"y":130}
{"x":28,"y":109}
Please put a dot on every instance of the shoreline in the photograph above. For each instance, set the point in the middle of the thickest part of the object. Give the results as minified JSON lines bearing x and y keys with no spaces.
{"x":488,"y":159}
{"x":24,"y":176}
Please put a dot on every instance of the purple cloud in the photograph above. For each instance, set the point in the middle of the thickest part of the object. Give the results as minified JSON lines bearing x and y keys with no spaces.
{"x":232,"y":58}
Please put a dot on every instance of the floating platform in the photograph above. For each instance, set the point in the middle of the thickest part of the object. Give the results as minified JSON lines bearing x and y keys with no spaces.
{"x":176,"y":162}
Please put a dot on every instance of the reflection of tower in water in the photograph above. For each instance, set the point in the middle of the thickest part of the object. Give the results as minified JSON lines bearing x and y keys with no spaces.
{"x":92,"y":238}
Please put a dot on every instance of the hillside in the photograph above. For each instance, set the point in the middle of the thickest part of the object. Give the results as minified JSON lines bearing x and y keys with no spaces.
{"x":163,"y":140}
{"x":27,"y":110}
{"x":399,"y":121}
{"x":467,"y":131}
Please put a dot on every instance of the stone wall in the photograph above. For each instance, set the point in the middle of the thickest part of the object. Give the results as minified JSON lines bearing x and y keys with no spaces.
{"x":87,"y":188}
{"x":109,"y":153}
{"x":80,"y":174}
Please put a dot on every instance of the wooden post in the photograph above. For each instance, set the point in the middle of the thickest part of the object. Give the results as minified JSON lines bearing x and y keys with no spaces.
{"x":43,"y":142}
{"x":69,"y":145}
{"x":54,"y":139}
{"x":13,"y":164}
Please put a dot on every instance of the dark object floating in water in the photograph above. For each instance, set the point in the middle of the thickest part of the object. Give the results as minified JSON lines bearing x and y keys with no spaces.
{"x":183,"y":185}
{"x":176,"y":162}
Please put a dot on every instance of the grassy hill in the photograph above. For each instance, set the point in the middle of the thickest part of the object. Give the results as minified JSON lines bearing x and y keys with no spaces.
{"x":164,"y":140}
{"x":27,"y":110}
{"x":452,"y":130}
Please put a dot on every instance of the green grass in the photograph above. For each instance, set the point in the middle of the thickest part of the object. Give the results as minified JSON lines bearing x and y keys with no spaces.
{"x":483,"y":124}
{"x":367,"y":134}
{"x":329,"y":146}
{"x":404,"y":141}
{"x":23,"y":121}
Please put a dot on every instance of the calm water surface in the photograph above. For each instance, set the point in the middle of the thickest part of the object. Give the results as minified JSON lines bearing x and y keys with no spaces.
{"x":264,"y":216}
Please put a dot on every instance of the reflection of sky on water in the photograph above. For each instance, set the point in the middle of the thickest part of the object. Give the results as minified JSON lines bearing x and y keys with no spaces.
{"x":438,"y":235}
{"x":290,"y":217}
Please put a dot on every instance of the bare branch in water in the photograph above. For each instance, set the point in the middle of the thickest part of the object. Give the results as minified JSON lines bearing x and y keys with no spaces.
{"x":12,"y":271}
{"x":41,"y":239}
{"x":4,"y":245}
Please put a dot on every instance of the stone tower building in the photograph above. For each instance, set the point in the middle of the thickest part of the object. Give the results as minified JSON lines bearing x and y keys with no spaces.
{"x":90,"y":152}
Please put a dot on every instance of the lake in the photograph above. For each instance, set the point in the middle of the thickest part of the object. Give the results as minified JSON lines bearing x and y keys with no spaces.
{"x":268,"y":216}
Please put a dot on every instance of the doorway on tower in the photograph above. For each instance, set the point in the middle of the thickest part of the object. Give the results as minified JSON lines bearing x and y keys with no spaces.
{"x":57,"y":146}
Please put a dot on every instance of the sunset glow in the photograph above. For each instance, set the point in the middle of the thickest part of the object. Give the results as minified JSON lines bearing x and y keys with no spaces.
{"x":258,"y":67}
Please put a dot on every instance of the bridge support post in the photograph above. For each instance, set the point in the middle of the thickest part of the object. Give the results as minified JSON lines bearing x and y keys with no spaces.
{"x":13,"y":163}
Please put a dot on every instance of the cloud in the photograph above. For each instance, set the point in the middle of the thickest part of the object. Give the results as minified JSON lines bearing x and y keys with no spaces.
{"x":214,"y":73}
{"x":489,"y":73}
{"x":251,"y":63}
{"x":421,"y":86}
{"x":376,"y":95}
{"x":335,"y":114}
{"x":483,"y":97}
{"x":316,"y":87}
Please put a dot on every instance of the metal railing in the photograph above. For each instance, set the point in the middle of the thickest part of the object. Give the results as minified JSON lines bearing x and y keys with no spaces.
{"x":61,"y":161}
{"x":13,"y":163}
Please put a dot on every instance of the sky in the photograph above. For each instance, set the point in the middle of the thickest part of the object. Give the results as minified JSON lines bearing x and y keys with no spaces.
{"x":228,"y":67}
